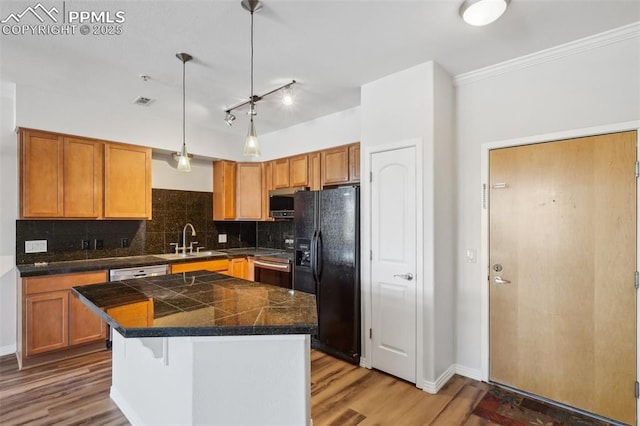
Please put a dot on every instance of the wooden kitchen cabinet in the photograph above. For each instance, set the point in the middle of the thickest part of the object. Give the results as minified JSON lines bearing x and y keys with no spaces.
{"x":221,"y":266}
{"x":82,"y":181}
{"x":53,"y":323}
{"x":315,"y":175}
{"x":340,"y":165}
{"x":267,"y":185}
{"x":238,"y":267}
{"x":299,"y":170}
{"x":224,"y":190}
{"x":281,"y":176}
{"x":127,"y":182}
{"x":249,"y":191}
{"x":41,"y":174}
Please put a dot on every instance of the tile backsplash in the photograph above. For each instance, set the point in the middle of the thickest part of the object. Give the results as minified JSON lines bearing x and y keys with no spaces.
{"x":171,"y":210}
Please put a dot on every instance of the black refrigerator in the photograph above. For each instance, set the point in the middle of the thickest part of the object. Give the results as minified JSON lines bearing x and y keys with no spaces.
{"x":327,"y":264}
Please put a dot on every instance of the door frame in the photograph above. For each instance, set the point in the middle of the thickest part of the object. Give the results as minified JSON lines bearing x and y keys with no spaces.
{"x":484,"y":233}
{"x":365,"y":245}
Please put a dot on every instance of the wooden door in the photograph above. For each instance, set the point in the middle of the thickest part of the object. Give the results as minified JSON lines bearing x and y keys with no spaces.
{"x":84,"y":325}
{"x":46,"y":322}
{"x":562,"y":265}
{"x":41,"y":174}
{"x":299,"y":171}
{"x":82,"y":178}
{"x":224,"y":190}
{"x":315,"y":176}
{"x":335,"y":166}
{"x":393,"y":264}
{"x":249,"y":191}
{"x":127,"y":182}
{"x":281,"y":173}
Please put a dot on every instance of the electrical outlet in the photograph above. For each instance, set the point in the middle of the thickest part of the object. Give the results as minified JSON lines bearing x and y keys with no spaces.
{"x":85,"y":244}
{"x":124,"y":242}
{"x":98,"y":244}
{"x":35,"y":246}
{"x":222,"y":238}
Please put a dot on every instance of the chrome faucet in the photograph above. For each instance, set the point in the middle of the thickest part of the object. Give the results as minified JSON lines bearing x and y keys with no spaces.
{"x":184,"y":238}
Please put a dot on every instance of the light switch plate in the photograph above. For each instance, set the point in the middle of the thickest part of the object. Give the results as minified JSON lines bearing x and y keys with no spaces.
{"x":471,"y":256}
{"x":35,"y":246}
{"x":222,"y":238}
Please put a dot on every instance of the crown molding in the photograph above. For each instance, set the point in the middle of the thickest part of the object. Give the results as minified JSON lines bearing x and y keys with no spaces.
{"x":554,"y":53}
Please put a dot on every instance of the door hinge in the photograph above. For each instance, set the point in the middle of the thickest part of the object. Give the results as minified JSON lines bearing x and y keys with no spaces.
{"x":637,"y":390}
{"x":370,"y":254}
{"x":637,"y":284}
{"x":371,"y":337}
{"x":370,"y":176}
{"x":484,"y":196}
{"x":637,"y":168}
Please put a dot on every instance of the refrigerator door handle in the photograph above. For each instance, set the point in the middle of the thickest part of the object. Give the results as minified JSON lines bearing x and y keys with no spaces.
{"x":319,"y":255}
{"x":313,"y":256}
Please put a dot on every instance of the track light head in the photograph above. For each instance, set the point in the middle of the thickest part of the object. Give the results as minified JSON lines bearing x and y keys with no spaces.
{"x":229,"y":118}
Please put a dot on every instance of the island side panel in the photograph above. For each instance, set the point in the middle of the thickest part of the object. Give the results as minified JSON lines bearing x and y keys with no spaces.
{"x":213,"y":380}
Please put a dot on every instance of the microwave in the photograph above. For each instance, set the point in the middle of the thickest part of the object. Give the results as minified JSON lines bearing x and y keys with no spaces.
{"x":281,"y":202}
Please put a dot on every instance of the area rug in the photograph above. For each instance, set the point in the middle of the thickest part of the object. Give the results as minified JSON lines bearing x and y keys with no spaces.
{"x":510,"y":409}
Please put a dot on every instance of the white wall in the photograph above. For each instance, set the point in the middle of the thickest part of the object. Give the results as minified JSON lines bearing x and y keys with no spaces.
{"x":8,"y":216}
{"x":570,"y":87}
{"x":335,"y":129}
{"x":417,"y":104}
{"x":165,"y":175}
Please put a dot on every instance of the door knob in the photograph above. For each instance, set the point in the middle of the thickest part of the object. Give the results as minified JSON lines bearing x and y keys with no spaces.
{"x":499,"y":280}
{"x":408,"y":276}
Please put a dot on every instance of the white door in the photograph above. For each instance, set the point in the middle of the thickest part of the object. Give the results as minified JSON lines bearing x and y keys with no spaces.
{"x":393,"y":263}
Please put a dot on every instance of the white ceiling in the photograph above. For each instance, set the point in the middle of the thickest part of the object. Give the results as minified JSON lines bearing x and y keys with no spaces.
{"x":330,"y":47}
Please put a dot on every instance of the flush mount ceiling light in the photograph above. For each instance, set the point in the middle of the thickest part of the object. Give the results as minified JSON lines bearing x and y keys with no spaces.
{"x":183,"y":157}
{"x":482,"y":12}
{"x":251,"y":147}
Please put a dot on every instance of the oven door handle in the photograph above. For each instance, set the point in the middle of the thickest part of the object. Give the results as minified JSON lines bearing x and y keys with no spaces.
{"x":273,"y":266}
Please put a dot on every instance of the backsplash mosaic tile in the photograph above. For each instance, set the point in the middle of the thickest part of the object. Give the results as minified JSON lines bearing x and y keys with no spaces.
{"x":171,"y":210}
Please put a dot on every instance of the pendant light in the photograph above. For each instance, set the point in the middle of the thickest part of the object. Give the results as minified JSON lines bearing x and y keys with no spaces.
{"x":482,"y":12}
{"x":183,"y":157}
{"x":251,"y":147}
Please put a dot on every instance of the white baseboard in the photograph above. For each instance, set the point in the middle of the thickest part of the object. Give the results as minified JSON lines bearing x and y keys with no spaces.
{"x":363,"y":362}
{"x":434,"y":387}
{"x":7,"y":350}
{"x":124,"y":406}
{"x":472,"y":373}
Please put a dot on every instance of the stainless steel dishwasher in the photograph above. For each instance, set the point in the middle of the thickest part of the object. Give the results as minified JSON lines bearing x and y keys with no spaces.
{"x":137,"y":272}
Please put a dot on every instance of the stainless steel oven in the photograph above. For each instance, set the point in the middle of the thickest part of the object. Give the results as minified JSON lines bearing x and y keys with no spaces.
{"x":274,"y":269}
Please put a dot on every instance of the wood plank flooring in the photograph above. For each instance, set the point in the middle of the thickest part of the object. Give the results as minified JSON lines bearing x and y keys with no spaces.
{"x":76,"y":391}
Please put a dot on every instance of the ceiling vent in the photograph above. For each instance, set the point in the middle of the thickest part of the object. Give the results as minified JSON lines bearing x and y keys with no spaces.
{"x":141,"y":100}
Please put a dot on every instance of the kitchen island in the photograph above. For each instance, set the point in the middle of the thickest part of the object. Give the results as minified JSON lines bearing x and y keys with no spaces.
{"x":206,"y":348}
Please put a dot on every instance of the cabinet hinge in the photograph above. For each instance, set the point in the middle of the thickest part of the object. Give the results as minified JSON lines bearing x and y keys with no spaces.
{"x":484,"y":196}
{"x":637,"y":283}
{"x":637,"y":168}
{"x":370,"y":176}
{"x":637,"y":390}
{"x":371,"y":337}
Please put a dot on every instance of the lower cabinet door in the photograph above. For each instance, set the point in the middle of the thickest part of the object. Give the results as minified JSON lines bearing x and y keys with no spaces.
{"x":85,"y":326}
{"x":47,"y":322}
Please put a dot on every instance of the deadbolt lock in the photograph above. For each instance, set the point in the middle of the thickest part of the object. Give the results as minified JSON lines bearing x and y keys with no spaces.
{"x":497,"y":267}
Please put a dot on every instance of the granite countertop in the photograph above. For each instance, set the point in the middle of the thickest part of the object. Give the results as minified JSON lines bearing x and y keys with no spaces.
{"x":199,"y":303}
{"x":70,"y":266}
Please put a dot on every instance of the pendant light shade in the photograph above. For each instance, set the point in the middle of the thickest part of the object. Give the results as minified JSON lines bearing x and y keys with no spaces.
{"x":183,"y":157}
{"x":251,"y":147}
{"x":482,"y":12}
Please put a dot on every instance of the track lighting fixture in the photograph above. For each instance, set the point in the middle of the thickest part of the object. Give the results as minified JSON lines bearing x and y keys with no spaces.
{"x":251,"y":147}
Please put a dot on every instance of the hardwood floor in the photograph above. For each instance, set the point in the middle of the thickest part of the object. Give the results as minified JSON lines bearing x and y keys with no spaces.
{"x":76,"y":391}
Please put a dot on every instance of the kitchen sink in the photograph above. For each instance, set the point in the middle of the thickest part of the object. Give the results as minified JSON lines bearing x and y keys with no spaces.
{"x":174,"y":256}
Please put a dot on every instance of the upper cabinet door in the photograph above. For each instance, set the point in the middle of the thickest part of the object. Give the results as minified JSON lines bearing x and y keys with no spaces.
{"x":83,"y":177}
{"x":281,"y":173}
{"x":224,"y":190}
{"x":299,"y":170}
{"x":41,"y":174}
{"x":354,"y":162}
{"x":249,"y":191}
{"x":315,"y":180}
{"x":335,"y":166}
{"x":127,"y":182}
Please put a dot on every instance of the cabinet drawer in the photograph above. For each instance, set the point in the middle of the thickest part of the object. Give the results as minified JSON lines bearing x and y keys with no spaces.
{"x":46,"y":283}
{"x":208,"y":265}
